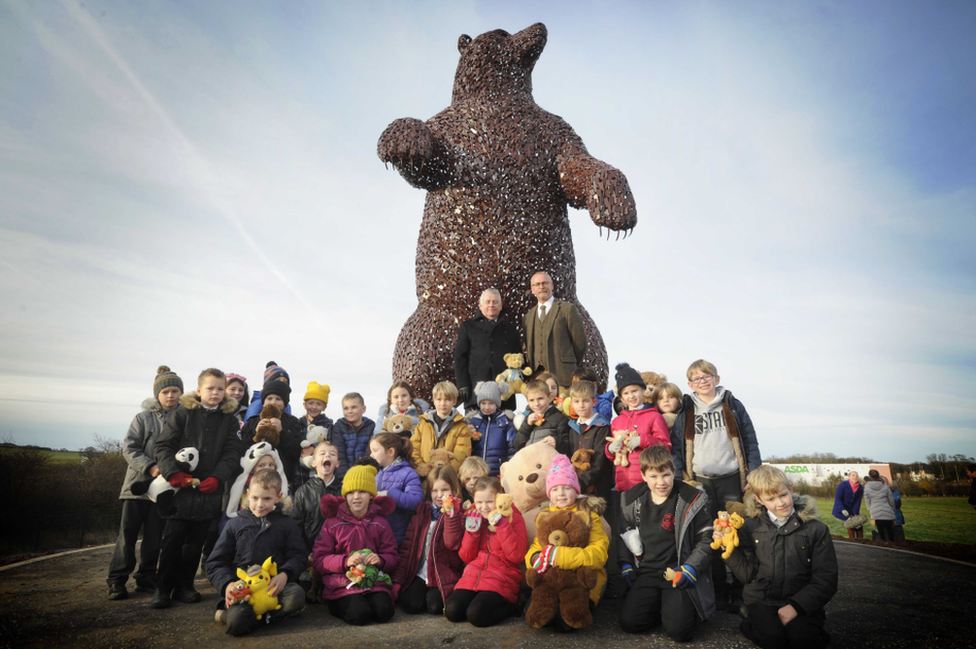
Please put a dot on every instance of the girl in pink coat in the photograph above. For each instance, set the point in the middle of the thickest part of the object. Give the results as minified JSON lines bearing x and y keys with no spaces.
{"x":357,"y":540}
{"x":644,"y":424}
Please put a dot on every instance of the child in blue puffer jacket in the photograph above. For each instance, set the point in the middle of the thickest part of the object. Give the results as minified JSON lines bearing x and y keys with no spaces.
{"x":354,"y":428}
{"x":496,"y":444}
{"x":397,"y":479}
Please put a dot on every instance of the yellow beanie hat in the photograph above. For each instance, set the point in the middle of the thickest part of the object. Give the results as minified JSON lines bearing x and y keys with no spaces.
{"x":318,"y":391}
{"x":360,"y":477}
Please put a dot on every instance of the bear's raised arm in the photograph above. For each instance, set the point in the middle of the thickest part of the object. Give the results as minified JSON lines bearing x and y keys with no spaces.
{"x":413,"y":150}
{"x":593,"y":184}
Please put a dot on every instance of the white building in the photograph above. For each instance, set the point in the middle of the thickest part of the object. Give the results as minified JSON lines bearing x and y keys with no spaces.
{"x":817,"y":474}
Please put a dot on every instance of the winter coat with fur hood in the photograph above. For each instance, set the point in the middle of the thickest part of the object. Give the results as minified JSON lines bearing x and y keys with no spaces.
{"x":493,"y":558}
{"x":139,"y":445}
{"x":247,"y":540}
{"x":650,"y":426}
{"x":214,"y":434}
{"x":692,"y":537}
{"x":794,"y":564}
{"x":307,"y":506}
{"x":497,"y":443}
{"x":741,"y":433}
{"x":342,"y":534}
{"x":402,"y":484}
{"x":289,"y":445}
{"x":415,"y":409}
{"x":453,"y":435}
{"x":444,"y":566}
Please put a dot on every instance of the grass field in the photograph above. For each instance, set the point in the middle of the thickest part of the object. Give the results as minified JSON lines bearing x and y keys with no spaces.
{"x":943,"y":520}
{"x":72,"y":457}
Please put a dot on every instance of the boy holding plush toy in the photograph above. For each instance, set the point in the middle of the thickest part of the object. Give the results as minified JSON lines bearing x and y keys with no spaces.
{"x":205,"y":420}
{"x":274,"y":425}
{"x":138,"y":511}
{"x":665,"y":553}
{"x":260,"y":533}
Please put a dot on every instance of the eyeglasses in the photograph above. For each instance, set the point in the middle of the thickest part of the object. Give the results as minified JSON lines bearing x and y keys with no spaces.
{"x":698,"y":380}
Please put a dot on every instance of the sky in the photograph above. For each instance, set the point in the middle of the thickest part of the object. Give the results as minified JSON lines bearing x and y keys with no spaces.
{"x":196,"y":184}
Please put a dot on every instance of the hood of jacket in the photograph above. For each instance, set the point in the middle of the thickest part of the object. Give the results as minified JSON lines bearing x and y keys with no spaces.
{"x":152,"y":405}
{"x":593,"y":504}
{"x":449,"y":421}
{"x":598,"y":420}
{"x":805,"y":506}
{"x":500,"y":417}
{"x":632,"y":415}
{"x":715,"y":404}
{"x":191,"y":401}
{"x":332,"y":506}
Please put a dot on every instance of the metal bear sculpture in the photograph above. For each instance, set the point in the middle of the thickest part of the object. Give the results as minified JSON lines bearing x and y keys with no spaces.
{"x":499,"y":173}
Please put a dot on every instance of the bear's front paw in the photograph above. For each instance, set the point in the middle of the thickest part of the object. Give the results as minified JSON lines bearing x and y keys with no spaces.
{"x":610,"y":201}
{"x":407,"y":141}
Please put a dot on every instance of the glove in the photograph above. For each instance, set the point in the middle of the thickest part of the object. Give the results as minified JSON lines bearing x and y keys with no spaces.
{"x":472,"y":522}
{"x":627,"y":572}
{"x":615,"y":446}
{"x":209,"y":485}
{"x":463,"y":395}
{"x":544,"y":560}
{"x":845,"y":513}
{"x":685,"y":576}
{"x":180,"y":479}
{"x":632,"y":441}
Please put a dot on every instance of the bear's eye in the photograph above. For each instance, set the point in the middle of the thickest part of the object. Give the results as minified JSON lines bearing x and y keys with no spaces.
{"x":521,"y":478}
{"x":538,"y":466}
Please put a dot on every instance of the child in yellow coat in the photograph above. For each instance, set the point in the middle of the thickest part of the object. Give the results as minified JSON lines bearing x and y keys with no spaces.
{"x":442,"y":427}
{"x":562,"y":487}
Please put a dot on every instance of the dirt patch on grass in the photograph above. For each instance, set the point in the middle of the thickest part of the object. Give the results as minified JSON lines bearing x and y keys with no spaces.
{"x":956,"y":551}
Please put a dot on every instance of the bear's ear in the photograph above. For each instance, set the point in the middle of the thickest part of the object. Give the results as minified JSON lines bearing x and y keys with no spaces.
{"x":463,"y":41}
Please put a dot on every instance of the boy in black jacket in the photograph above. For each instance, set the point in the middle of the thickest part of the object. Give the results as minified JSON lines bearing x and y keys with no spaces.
{"x":545,"y":423}
{"x":786,"y":560}
{"x":667,"y":526}
{"x":205,"y":421}
{"x":257,"y":533}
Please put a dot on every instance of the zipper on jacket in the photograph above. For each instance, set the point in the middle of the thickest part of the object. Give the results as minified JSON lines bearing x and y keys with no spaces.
{"x":487,"y":559}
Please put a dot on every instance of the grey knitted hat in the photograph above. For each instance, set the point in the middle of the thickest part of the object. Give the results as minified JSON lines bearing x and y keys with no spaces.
{"x":488,"y":391}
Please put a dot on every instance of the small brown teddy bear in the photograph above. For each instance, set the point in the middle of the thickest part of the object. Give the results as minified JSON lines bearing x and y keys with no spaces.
{"x":398,"y":425}
{"x":438,"y":457}
{"x":582,"y":459}
{"x":555,"y":589}
{"x":503,"y":509}
{"x":621,"y":458}
{"x":265,"y":430}
{"x":651,"y":381}
{"x":514,"y":375}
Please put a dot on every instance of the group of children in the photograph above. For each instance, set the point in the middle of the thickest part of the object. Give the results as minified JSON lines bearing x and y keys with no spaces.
{"x":363,"y":520}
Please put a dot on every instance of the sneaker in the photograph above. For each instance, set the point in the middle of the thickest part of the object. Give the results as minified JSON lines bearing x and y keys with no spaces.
{"x":117,"y":591}
{"x":161,"y":599}
{"x":186,"y":594}
{"x":220,"y":616}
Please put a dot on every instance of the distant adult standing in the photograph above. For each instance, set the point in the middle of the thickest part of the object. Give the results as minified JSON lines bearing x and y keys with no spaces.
{"x":555,"y":336}
{"x":971,"y":472}
{"x":482,"y":343}
{"x":881,"y":502}
{"x":847,"y":502}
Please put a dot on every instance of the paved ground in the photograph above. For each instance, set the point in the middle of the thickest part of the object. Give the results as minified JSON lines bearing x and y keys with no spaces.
{"x":886,"y":599}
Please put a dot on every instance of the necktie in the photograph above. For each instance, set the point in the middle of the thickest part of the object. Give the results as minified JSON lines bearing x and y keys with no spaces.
{"x":542,"y":313}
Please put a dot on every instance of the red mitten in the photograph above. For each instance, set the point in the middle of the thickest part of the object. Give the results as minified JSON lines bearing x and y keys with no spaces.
{"x":209,"y":485}
{"x":179,"y":480}
{"x":544,"y":560}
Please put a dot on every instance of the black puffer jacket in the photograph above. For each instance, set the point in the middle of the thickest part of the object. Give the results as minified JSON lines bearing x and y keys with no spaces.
{"x":555,"y":424}
{"x":247,"y":540}
{"x":214,"y":434}
{"x":307,"y":508}
{"x":794,"y":564}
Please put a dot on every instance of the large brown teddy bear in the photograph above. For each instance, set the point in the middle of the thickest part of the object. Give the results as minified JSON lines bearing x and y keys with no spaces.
{"x":499,"y":173}
{"x":565,"y":591}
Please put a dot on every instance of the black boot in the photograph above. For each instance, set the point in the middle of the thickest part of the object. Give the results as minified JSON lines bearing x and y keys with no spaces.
{"x":186,"y":594}
{"x":161,"y":599}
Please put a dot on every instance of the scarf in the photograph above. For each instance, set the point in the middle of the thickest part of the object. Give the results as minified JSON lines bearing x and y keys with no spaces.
{"x":855,"y":485}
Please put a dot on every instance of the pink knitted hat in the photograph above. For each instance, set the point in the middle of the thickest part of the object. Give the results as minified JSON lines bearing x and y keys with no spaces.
{"x":561,"y":472}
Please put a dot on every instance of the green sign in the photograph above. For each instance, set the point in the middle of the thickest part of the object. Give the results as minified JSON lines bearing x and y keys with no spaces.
{"x":798,"y":468}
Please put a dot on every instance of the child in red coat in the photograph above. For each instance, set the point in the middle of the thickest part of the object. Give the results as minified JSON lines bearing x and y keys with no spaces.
{"x":489,"y":588}
{"x":429,"y":563}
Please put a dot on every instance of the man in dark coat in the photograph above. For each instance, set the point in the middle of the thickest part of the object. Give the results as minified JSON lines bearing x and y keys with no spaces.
{"x":555,"y":336}
{"x":482,"y":344}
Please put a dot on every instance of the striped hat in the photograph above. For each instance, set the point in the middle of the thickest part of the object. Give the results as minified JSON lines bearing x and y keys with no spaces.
{"x":166,"y":378}
{"x":273,"y":372}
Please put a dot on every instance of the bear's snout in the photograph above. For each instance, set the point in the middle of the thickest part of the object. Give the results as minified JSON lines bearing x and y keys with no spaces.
{"x":558,"y":537}
{"x":531,"y":478}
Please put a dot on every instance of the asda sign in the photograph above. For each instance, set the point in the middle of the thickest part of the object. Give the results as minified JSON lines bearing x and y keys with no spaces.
{"x":796,"y":468}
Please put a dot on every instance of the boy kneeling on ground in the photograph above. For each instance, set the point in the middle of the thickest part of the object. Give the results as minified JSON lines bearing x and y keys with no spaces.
{"x":259,"y":532}
{"x":786,"y":560}
{"x":666,"y":525}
